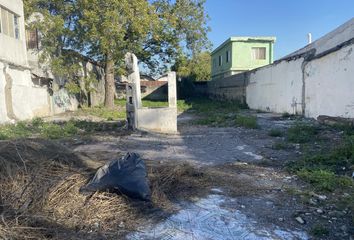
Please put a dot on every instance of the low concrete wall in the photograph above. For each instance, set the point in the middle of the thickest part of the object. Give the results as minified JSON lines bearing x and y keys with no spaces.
{"x":307,"y":84}
{"x":230,"y":88}
{"x":157,"y":119}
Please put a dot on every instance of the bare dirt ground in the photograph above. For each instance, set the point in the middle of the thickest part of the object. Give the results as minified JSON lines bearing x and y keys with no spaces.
{"x":207,"y":183}
{"x":263,"y":191}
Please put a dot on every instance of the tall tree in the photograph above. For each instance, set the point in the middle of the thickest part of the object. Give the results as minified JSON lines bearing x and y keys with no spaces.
{"x":158,"y":31}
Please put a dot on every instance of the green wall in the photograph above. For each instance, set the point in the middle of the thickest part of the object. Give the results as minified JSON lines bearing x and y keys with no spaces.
{"x":226,"y":66}
{"x":241,"y":57}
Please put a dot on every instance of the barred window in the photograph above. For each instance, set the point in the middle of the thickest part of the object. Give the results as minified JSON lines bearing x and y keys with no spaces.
{"x":258,"y":53}
{"x":228,"y":56}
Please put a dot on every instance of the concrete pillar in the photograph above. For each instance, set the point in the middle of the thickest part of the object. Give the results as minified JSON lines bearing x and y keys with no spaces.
{"x":172,"y":90}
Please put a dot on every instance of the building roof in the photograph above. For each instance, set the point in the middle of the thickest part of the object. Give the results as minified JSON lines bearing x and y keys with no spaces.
{"x":245,"y":39}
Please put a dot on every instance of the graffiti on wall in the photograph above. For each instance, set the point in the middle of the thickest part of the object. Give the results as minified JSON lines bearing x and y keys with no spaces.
{"x":61,"y":100}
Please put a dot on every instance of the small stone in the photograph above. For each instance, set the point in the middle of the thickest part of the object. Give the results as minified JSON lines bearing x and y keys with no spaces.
{"x":97,"y":225}
{"x":319,"y":211}
{"x":321,"y":197}
{"x":121,"y":225}
{"x":312,"y":201}
{"x":243,"y":206}
{"x":281,"y":219}
{"x":307,"y":214}
{"x":300,"y":220}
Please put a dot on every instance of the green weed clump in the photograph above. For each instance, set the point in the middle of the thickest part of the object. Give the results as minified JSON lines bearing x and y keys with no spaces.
{"x":319,"y":230}
{"x":302,"y":133}
{"x":105,"y":113}
{"x":247,"y":121}
{"x":275,"y":133}
{"x":154,"y":104}
{"x":324,"y":180}
{"x":37,"y":128}
{"x":327,"y":171}
{"x":280,"y":146}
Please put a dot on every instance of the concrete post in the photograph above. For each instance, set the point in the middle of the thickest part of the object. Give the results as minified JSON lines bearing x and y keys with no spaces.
{"x":172,"y":90}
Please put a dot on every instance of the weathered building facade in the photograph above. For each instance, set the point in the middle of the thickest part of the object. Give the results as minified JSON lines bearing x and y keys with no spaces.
{"x":20,"y":98}
{"x":28,"y":88}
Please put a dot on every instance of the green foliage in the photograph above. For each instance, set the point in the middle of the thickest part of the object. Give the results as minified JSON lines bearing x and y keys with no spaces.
{"x":154,"y":104}
{"x":319,"y":230}
{"x":11,"y":131}
{"x":52,"y":131}
{"x":198,"y":68}
{"x":326,"y":171}
{"x":324,"y":180}
{"x":156,"y":31}
{"x":302,"y":133}
{"x":338,"y":160}
{"x":211,"y":112}
{"x":37,"y":127}
{"x":280,"y":146}
{"x":275,"y":132}
{"x":246,"y":121}
{"x":105,"y":113}
{"x":183,"y":105}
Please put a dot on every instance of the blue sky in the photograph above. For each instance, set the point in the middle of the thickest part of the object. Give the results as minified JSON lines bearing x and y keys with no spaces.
{"x":288,"y":20}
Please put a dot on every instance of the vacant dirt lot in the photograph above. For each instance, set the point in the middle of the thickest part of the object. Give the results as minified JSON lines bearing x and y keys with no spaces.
{"x":215,"y":179}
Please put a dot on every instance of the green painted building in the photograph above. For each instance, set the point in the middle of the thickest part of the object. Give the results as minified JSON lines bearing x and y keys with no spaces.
{"x":239,"y":54}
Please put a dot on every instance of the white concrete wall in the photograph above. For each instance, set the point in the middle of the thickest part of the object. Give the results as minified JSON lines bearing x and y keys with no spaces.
{"x":163,"y":120}
{"x":330,"y":84}
{"x":3,"y":112}
{"x":27,"y":100}
{"x":11,"y":49}
{"x":276,"y":88}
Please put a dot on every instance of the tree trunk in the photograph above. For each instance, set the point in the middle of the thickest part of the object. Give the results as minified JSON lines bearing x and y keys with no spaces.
{"x":109,"y":83}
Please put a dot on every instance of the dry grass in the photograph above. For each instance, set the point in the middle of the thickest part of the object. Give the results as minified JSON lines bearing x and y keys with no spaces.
{"x":40,"y":199}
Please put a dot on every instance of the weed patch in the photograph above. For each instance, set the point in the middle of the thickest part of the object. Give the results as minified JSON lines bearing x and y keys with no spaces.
{"x":37,"y":127}
{"x":324,"y":180}
{"x":280,"y":146}
{"x":247,"y":121}
{"x":154,"y":104}
{"x":105,"y":113}
{"x":275,"y":133}
{"x":302,"y":133}
{"x":319,"y":230}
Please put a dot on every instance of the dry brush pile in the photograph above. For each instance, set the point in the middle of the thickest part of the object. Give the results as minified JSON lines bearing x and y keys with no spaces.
{"x":40,"y":199}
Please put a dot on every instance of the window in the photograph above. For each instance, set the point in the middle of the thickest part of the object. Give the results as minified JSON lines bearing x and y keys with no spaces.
{"x":32,"y":39}
{"x":9,"y":24}
{"x":220,"y":60}
{"x":228,"y":56}
{"x":258,"y":53}
{"x":17,"y":27}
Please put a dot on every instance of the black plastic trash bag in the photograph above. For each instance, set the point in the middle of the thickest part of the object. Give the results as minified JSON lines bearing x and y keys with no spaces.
{"x":126,"y":175}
